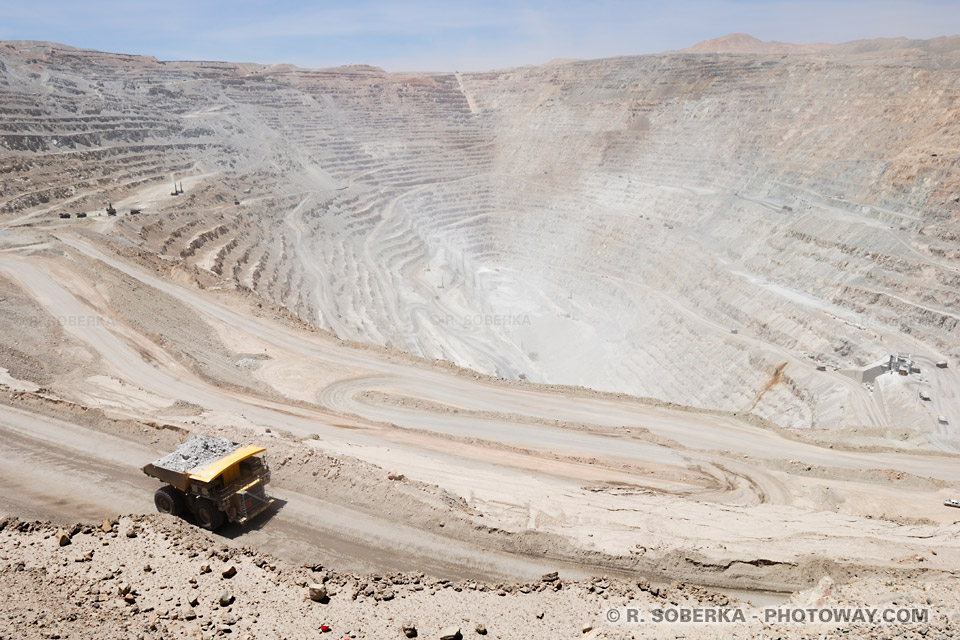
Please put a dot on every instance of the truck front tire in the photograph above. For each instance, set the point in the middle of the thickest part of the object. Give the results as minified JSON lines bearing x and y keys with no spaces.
{"x":168,"y":500}
{"x":208,"y":515}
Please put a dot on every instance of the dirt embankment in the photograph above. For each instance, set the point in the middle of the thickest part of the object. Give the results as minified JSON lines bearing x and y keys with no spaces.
{"x":157,"y":577}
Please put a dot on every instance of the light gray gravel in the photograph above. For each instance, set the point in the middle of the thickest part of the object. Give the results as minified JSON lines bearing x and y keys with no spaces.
{"x":196,"y":452}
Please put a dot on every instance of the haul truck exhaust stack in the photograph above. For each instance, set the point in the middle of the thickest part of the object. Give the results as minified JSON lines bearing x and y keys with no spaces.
{"x":215,"y":479}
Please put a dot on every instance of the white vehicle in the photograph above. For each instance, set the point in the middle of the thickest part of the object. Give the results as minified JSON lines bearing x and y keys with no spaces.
{"x":942,"y":364}
{"x":942,"y":419}
{"x":951,"y":503}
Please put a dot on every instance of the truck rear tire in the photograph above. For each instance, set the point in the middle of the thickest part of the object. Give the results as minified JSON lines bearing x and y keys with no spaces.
{"x":169,"y":500}
{"x":208,"y":515}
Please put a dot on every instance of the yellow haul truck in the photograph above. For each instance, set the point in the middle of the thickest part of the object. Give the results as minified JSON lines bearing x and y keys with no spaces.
{"x":215,"y":479}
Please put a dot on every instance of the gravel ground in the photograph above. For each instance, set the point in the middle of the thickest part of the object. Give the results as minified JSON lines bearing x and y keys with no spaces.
{"x":157,"y":577}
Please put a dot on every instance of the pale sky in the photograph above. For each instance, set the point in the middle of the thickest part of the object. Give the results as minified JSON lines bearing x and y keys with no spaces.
{"x":436,"y":35}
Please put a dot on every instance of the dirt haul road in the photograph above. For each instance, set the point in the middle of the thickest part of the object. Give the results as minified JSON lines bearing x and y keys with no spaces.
{"x":56,"y":470}
{"x":592,"y":478}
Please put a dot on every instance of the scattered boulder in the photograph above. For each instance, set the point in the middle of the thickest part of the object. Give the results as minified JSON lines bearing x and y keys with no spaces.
{"x":189,"y":614}
{"x":63,"y":538}
{"x":226,"y":598}
{"x":204,"y":568}
{"x":482,"y":630}
{"x":450,"y":633}
{"x":317,"y":592}
{"x":409,"y":630}
{"x":229,"y":572}
{"x":106,"y":527}
{"x":553,"y":576}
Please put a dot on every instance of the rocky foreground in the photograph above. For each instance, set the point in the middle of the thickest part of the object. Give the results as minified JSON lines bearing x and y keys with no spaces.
{"x":157,"y":577}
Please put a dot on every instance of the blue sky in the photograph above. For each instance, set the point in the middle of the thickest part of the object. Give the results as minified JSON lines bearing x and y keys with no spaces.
{"x":430,"y":35}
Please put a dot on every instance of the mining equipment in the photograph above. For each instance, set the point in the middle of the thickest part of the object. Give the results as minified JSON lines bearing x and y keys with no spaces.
{"x":215,"y":479}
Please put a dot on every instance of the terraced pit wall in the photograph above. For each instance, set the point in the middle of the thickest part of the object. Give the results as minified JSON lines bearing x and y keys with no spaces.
{"x":606,"y":223}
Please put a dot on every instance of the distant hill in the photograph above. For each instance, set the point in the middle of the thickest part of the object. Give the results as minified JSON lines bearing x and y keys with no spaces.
{"x":745,"y":43}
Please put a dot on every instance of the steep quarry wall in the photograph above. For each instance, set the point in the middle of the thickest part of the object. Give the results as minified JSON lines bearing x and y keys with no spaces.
{"x":696,"y":228}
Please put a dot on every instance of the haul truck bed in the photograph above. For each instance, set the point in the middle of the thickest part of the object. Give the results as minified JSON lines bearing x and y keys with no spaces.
{"x":215,"y":479}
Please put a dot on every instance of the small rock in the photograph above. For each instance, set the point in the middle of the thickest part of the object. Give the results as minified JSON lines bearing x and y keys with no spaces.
{"x":63,"y":538}
{"x":106,"y":527}
{"x":129,"y":598}
{"x":482,"y":630}
{"x":450,"y":633}
{"x":193,"y":601}
{"x":587,"y":629}
{"x":539,"y":615}
{"x":231,"y":619}
{"x":226,"y":598}
{"x":131,"y":532}
{"x":409,"y":630}
{"x":318,"y":592}
{"x":124,"y":588}
{"x":147,"y":568}
{"x":229,"y":572}
{"x":204,"y":568}
{"x":189,"y":614}
{"x":553,"y":576}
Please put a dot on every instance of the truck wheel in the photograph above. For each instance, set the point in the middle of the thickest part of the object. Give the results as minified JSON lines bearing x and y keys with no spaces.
{"x":208,"y":515}
{"x":168,"y":500}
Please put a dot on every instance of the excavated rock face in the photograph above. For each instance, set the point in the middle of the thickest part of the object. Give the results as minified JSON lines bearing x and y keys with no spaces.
{"x":606,"y":223}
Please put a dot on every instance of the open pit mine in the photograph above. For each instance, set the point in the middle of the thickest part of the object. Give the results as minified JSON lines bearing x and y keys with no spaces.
{"x":518,"y":348}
